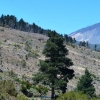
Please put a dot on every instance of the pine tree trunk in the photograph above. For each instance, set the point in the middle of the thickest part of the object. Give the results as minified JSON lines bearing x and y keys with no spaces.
{"x":52,"y":94}
{"x":63,"y":91}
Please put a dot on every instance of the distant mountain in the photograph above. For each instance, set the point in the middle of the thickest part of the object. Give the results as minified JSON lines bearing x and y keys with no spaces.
{"x":90,"y":34}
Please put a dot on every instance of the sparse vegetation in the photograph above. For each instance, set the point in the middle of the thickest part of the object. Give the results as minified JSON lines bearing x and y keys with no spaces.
{"x":12,"y":73}
{"x":32,"y":53}
{"x":2,"y":30}
{"x":20,"y":53}
{"x":28,"y":46}
{"x":17,"y":46}
{"x":75,"y":96}
{"x":42,"y":89}
{"x":7,"y":86}
{"x":23,"y":63}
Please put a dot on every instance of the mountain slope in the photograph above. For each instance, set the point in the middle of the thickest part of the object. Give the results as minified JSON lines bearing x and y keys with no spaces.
{"x":20,"y":51}
{"x":15,"y":56}
{"x":90,"y":34}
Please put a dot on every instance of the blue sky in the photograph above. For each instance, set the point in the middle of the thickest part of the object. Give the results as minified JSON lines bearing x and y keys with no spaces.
{"x":64,"y":16}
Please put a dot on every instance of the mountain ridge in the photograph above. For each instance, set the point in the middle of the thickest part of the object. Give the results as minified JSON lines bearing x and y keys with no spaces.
{"x":90,"y":34}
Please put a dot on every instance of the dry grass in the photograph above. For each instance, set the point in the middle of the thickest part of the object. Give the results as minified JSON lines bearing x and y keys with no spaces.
{"x":13,"y":50}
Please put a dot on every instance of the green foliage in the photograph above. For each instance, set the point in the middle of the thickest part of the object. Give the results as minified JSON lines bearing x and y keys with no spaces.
{"x":11,"y":21}
{"x":56,"y":63}
{"x":38,"y":78}
{"x":24,"y":77}
{"x":85,"y":84}
{"x":69,"y":39}
{"x":42,"y":89}
{"x":18,"y":80}
{"x":94,"y":76}
{"x":6,"y":96}
{"x":28,"y":46}
{"x":12,"y":73}
{"x":7,"y":86}
{"x":23,"y":63}
{"x":17,"y":46}
{"x":73,"y":45}
{"x":21,"y":97}
{"x":25,"y":85}
{"x":74,"y":96}
{"x":0,"y":77}
{"x":82,"y":43}
{"x":32,"y":53}
{"x":2,"y":30}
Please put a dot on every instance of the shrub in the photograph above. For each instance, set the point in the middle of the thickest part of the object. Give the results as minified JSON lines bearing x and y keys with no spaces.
{"x":28,"y":46}
{"x":42,"y":89}
{"x":73,"y":45}
{"x":21,"y":97}
{"x":12,"y":73}
{"x":17,"y":46}
{"x":24,"y":86}
{"x":6,"y":96}
{"x":2,"y":30}
{"x":7,"y":86}
{"x":32,"y":53}
{"x":74,"y":96}
{"x":23,"y":63}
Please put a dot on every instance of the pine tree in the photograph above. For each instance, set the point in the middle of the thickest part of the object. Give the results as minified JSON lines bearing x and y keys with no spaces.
{"x":56,"y":64}
{"x":2,"y":22}
{"x":85,"y":84}
{"x":95,"y":47}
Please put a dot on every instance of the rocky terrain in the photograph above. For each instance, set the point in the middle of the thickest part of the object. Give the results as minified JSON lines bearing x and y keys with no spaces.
{"x":20,"y":53}
{"x":85,"y":58}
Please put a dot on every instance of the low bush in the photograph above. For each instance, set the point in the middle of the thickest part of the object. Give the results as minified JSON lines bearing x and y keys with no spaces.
{"x":74,"y":96}
{"x":42,"y":89}
{"x":32,"y":54}
{"x":2,"y":30}
{"x":21,"y":97}
{"x":7,"y":86}
{"x":12,"y":73}
{"x":6,"y":96}
{"x":25,"y":85}
{"x":23,"y":63}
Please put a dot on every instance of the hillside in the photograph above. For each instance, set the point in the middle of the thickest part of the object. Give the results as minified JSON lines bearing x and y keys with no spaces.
{"x":20,"y":52}
{"x":13,"y":50}
{"x":90,"y":34}
{"x":85,"y":58}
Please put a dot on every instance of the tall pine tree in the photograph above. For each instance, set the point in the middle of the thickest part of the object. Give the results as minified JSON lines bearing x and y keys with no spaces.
{"x":85,"y":84}
{"x":56,"y":64}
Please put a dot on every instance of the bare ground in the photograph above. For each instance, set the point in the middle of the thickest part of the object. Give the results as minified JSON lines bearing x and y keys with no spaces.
{"x":12,"y":52}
